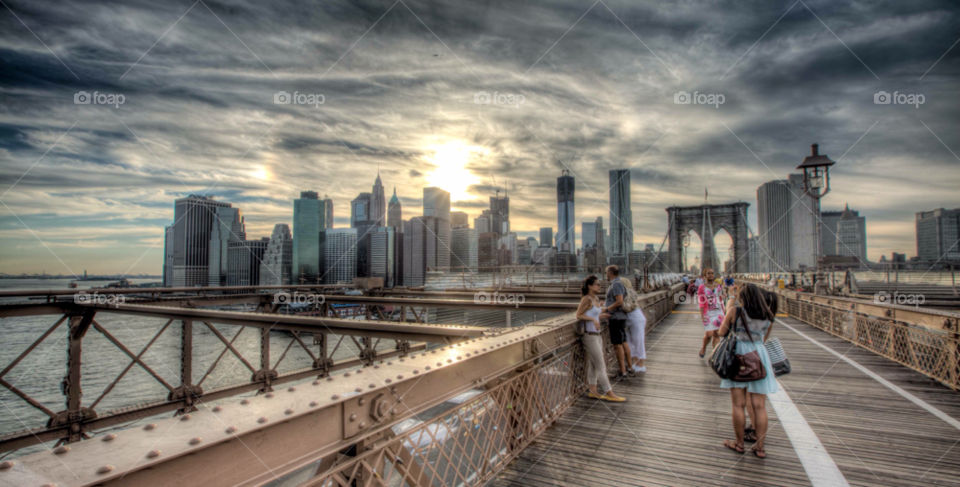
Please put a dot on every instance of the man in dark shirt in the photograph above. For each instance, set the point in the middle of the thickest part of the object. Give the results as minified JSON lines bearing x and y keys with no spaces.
{"x":617,"y":319}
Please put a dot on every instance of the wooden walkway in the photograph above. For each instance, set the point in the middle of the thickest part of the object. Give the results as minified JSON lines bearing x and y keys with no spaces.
{"x":671,"y":430}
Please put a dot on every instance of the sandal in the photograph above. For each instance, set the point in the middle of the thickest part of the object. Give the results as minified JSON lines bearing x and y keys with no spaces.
{"x":759,"y":452}
{"x":733,"y":446}
{"x":594,"y":396}
{"x":612,"y":399}
{"x":701,"y":354}
{"x":750,"y":434}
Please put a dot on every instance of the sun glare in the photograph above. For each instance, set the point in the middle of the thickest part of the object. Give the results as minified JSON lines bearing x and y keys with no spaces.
{"x":450,"y":172}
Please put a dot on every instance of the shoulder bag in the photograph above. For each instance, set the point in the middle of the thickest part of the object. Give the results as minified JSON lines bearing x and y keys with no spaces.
{"x":748,"y":366}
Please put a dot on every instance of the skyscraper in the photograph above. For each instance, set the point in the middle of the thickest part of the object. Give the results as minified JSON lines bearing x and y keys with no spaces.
{"x":464,"y":248}
{"x":243,"y":261}
{"x":589,"y":237}
{"x":566,"y":217}
{"x":193,"y":219}
{"x":361,"y":211}
{"x":488,"y":251}
{"x":395,"y":212}
{"x":227,"y":228}
{"x":378,"y":203}
{"x":277,"y":266}
{"x":848,"y":236}
{"x":786,"y":224}
{"x":483,"y":223}
{"x":621,"y":216}
{"x":938,"y":232}
{"x":546,"y":236}
{"x":500,"y":214}
{"x":341,"y":255}
{"x":458,"y":218}
{"x":168,"y":256}
{"x":328,"y":217}
{"x":436,"y":203}
{"x":426,"y":247}
{"x":382,"y":254}
{"x":828,"y":232}
{"x":309,"y":226}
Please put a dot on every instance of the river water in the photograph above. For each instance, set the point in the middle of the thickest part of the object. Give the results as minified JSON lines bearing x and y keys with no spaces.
{"x":41,"y":372}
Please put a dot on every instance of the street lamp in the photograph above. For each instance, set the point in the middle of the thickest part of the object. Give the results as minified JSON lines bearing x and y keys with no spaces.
{"x":816,"y":184}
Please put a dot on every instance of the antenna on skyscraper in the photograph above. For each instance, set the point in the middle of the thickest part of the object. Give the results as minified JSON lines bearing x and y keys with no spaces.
{"x":495,"y":185}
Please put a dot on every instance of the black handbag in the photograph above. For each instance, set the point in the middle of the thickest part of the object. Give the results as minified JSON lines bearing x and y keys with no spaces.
{"x":724,"y":357}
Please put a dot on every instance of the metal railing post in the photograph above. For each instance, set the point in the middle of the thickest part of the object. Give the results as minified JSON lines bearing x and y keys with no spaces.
{"x":75,"y":414}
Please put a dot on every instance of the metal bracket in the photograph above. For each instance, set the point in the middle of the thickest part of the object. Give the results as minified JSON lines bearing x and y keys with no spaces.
{"x":361,"y":413}
{"x":75,"y":420}
{"x":265,"y":376}
{"x":186,"y":393}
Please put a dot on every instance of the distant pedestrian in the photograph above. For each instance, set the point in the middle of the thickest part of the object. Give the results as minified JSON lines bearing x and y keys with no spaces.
{"x":589,"y":314}
{"x":617,"y":321}
{"x":636,"y":333}
{"x":752,"y":321}
{"x":710,"y":301}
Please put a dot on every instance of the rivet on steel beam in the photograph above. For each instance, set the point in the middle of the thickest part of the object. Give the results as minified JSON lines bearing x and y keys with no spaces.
{"x":153,"y":454}
{"x":393,"y":390}
{"x":105,"y":469}
{"x":150,"y":426}
{"x":389,"y":363}
{"x":185,"y":417}
{"x":359,"y":372}
{"x":231,"y":429}
{"x":376,"y":366}
{"x":109,"y":437}
{"x":363,"y":424}
{"x":353,"y":417}
{"x":484,"y":349}
{"x":329,"y":379}
{"x":268,"y":395}
{"x":439,"y":364}
{"x":263,"y":419}
{"x":372,"y":386}
{"x":49,"y":485}
{"x":362,"y":401}
{"x":346,"y":374}
{"x":196,"y":440}
{"x":7,"y":464}
{"x":449,"y":360}
{"x":443,"y":348}
{"x":288,"y":411}
{"x":314,"y":404}
{"x":358,"y":390}
{"x":433,"y":351}
{"x":316,"y":382}
{"x":61,"y":449}
{"x":399,"y":377}
{"x":459,"y":357}
{"x":335,"y":397}
{"x":245,"y":402}
{"x":291,"y":389}
{"x":387,"y":381}
{"x":415,"y":372}
{"x":426,"y":368}
{"x":401,"y":360}
{"x":217,"y":409}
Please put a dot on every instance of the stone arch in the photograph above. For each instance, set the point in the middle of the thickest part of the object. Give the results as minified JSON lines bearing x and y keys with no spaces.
{"x":706,"y":220}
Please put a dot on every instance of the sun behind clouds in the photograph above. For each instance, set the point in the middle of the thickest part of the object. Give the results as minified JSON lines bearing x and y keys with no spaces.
{"x":450,"y":171}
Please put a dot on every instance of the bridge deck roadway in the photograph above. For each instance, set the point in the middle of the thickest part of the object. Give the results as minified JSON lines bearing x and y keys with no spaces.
{"x":846,"y":417}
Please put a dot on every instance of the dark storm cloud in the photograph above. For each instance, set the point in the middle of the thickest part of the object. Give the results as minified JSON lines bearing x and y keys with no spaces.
{"x":199,"y":112}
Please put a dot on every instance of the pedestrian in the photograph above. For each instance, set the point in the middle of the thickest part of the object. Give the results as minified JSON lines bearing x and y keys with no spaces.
{"x":710,"y":301}
{"x":617,"y":321}
{"x":636,"y":331}
{"x":589,"y":314}
{"x":752,"y":322}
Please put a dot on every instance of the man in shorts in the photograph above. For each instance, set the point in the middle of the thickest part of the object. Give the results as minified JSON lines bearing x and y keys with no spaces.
{"x":617,"y":320}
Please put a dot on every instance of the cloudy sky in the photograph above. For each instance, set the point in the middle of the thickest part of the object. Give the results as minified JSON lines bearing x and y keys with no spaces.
{"x":90,"y":186}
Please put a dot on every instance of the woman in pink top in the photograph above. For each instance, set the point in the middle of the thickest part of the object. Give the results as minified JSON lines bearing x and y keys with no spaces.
{"x":710,"y":300}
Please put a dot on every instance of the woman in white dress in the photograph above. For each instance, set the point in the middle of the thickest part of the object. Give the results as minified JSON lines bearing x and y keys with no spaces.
{"x":636,"y":331}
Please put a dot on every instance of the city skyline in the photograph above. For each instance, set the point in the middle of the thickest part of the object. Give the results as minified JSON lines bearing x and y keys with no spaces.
{"x":90,"y":186}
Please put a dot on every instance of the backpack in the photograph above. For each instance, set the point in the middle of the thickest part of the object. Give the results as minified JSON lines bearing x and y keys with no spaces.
{"x":630,"y":297}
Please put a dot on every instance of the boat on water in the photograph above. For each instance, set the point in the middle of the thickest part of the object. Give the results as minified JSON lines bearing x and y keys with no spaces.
{"x":72,"y":285}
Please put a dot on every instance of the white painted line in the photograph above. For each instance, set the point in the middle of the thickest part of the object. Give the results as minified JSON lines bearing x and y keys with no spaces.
{"x":914,"y":399}
{"x":816,"y":461}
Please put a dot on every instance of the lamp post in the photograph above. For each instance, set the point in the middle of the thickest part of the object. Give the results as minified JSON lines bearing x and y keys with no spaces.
{"x":686,"y":243}
{"x":816,"y":184}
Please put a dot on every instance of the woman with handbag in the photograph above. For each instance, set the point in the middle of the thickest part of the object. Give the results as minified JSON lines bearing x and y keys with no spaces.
{"x":589,"y":328}
{"x":750,"y":323}
{"x":636,"y":328}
